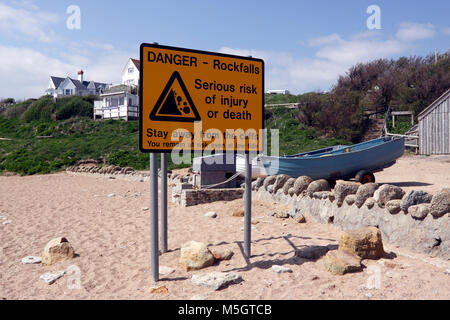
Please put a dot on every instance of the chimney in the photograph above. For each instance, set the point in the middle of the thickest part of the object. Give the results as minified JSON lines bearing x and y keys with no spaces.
{"x":80,"y":76}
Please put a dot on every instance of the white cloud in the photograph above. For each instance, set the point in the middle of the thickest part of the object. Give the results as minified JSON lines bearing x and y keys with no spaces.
{"x":28,"y":21}
{"x":28,"y":71}
{"x":446,"y":31}
{"x":415,"y":31}
{"x":25,"y":72}
{"x":334,"y":56}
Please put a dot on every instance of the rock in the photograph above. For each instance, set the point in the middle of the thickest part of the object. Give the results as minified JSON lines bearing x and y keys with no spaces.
{"x":6,"y":222}
{"x":259,"y":183}
{"x":280,"y":215}
{"x":145,"y":209}
{"x":279,"y":182}
{"x":291,"y":191}
{"x":341,"y":262}
{"x":238,"y":213}
{"x":350,"y":199}
{"x":301,"y":184}
{"x":321,"y":195}
{"x":365,"y":191}
{"x":222,"y":254}
{"x":270,"y":180}
{"x":289,"y":184}
{"x":419,"y":211}
{"x":386,"y":193}
{"x":158,"y":290}
{"x":412,"y":198}
{"x":211,"y":214}
{"x":57,"y":250}
{"x":393,"y":206}
{"x":216,"y":280}
{"x":343,"y":189}
{"x":440,"y":203}
{"x":270,"y":188}
{"x":311,"y":252}
{"x":317,"y":185}
{"x":195,"y":256}
{"x":111,"y":195}
{"x":31,"y":260}
{"x":365,"y":242}
{"x":280,"y":269}
{"x":50,"y":278}
{"x":370,"y":202}
{"x":295,"y":214}
{"x":166,"y":270}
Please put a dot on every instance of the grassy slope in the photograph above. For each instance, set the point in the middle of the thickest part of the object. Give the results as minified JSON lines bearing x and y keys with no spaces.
{"x":116,"y":142}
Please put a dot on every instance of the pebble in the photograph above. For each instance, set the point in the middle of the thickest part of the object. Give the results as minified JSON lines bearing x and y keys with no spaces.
{"x":211,"y":214}
{"x":3,"y":218}
{"x":6,"y":222}
{"x":166,"y":270}
{"x":50,"y":278}
{"x":447,"y":272}
{"x":280,"y":269}
{"x":369,"y":295}
{"x":111,"y":195}
{"x":145,"y":209}
{"x":31,"y":260}
{"x":198,"y":297}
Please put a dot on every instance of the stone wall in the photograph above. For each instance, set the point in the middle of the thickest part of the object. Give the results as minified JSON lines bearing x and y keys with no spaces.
{"x":351,"y":206}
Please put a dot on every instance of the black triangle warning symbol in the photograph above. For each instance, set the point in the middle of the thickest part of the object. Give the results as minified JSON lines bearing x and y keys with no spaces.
{"x":175,"y":103}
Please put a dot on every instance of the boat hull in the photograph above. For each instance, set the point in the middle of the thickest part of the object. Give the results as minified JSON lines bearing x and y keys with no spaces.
{"x":343,"y":163}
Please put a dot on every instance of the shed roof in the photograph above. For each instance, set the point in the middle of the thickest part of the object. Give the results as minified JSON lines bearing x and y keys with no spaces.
{"x":436,"y":102}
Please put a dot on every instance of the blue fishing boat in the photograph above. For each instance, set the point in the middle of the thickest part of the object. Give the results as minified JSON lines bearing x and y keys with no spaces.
{"x":357,"y":161}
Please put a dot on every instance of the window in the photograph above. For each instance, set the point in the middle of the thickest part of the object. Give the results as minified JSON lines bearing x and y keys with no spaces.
{"x":130,"y":102}
{"x":68,"y":92}
{"x":121,"y":101}
{"x":130,"y":70}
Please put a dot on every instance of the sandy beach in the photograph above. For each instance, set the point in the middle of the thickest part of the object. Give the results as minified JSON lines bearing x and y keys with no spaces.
{"x":111,"y":237}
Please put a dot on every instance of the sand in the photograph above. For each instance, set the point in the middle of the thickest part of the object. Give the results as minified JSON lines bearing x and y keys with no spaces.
{"x":112,"y":241}
{"x":411,"y":172}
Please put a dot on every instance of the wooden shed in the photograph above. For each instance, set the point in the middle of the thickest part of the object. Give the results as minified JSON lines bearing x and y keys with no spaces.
{"x":434,"y":127}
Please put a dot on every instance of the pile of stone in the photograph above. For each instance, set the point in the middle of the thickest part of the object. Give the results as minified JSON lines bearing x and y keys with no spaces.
{"x":354,"y":246}
{"x":56,"y":251}
{"x":90,"y":166}
{"x":196,"y":255}
{"x":415,"y":219}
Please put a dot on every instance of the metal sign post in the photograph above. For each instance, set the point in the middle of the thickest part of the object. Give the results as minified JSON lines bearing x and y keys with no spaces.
{"x":163,"y":202}
{"x":154,"y":250}
{"x":180,"y":88}
{"x":248,"y":206}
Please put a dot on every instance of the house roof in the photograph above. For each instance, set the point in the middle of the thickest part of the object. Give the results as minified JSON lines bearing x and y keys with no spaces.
{"x":437,"y":102}
{"x":56,"y":81}
{"x":136,"y":62}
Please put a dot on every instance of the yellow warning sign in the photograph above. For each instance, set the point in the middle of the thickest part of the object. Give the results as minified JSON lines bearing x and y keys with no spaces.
{"x":195,"y":100}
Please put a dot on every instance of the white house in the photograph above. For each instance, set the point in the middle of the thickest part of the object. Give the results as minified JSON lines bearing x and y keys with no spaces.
{"x":121,"y":101}
{"x":117,"y":102}
{"x":283,"y":91}
{"x":130,"y":74}
{"x":60,"y":87}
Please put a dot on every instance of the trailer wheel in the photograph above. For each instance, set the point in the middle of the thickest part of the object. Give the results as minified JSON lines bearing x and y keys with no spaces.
{"x":365,"y":176}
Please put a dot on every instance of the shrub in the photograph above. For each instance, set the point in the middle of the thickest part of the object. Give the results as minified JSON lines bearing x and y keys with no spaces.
{"x":73,"y":107}
{"x":41,"y":109}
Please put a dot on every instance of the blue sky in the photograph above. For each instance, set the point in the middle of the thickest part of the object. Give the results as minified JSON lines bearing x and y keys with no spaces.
{"x":306,"y":45}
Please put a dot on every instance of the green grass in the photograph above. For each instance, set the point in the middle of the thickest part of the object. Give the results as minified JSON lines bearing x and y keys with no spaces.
{"x":111,"y":142}
{"x":293,"y":136}
{"x":115,"y":142}
{"x":401,"y":126}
